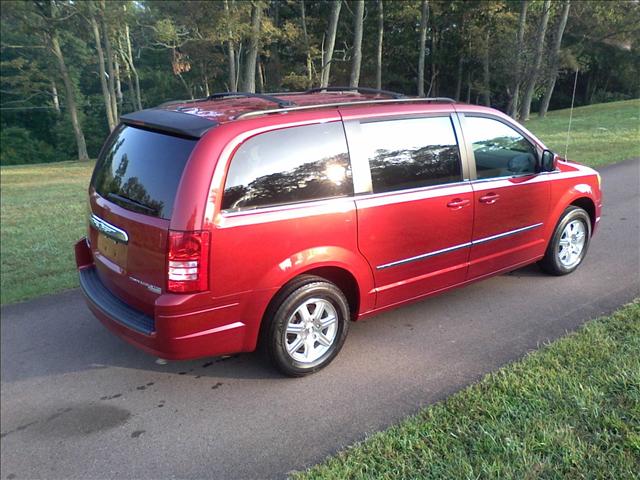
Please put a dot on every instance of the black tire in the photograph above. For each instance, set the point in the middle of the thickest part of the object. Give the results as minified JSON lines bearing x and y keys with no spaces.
{"x":551,"y":263}
{"x":284,"y":306}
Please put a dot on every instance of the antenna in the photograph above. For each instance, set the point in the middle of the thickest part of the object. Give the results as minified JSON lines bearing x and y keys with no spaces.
{"x":573,"y":98}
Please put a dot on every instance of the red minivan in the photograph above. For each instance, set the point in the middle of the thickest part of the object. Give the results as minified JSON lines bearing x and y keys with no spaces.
{"x":239,"y":220}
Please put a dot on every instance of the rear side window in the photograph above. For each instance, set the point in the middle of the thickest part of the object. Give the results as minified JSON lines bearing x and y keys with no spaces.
{"x":140,"y":170}
{"x":499,"y":150}
{"x":291,"y":165}
{"x":411,"y":153}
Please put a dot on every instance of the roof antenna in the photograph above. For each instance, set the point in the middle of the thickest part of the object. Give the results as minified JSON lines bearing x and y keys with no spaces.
{"x":573,"y":98}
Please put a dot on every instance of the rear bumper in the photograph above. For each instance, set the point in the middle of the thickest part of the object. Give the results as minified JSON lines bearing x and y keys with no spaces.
{"x":172,"y":332}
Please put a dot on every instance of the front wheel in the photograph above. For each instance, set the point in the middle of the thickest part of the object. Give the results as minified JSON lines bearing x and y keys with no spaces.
{"x":308,"y":327}
{"x":569,"y":243}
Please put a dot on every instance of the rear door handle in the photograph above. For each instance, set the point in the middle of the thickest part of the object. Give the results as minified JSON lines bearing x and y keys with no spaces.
{"x":458,"y":203}
{"x":489,"y":198}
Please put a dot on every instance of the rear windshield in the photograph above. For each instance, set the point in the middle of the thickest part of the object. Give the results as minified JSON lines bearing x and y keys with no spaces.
{"x":140,"y":170}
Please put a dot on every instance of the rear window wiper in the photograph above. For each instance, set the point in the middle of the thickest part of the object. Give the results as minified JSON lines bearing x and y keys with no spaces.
{"x":130,"y":201}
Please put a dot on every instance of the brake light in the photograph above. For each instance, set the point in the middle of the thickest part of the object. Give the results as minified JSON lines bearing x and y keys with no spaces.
{"x":188,"y":261}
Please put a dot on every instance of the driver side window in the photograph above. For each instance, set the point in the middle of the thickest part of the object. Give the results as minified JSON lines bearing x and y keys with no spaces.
{"x":499,"y":150}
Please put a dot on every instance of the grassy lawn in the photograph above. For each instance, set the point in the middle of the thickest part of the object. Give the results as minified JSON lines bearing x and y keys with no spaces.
{"x":43,"y":213}
{"x":600,"y":134}
{"x":43,"y":206}
{"x":570,"y":410}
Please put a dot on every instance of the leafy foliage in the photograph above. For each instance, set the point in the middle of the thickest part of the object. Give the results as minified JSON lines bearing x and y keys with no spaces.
{"x":164,"y":50}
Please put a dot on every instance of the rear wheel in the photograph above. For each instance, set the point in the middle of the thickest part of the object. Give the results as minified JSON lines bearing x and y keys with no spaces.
{"x":308,"y":326}
{"x":569,"y":243}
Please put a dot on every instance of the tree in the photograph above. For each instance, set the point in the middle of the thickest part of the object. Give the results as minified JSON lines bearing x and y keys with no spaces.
{"x":534,"y":71}
{"x":424,"y":18}
{"x":102,"y":74}
{"x":331,"y":42}
{"x":49,"y":21}
{"x":554,"y":59}
{"x":522,"y":23}
{"x":231,"y":52}
{"x":356,"y":60}
{"x":379,"y":50}
{"x":249,"y":77}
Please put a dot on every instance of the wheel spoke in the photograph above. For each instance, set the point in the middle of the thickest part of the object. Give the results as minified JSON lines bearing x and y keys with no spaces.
{"x":317,"y":313}
{"x":304,"y":312}
{"x":295,"y":328}
{"x":327,"y":321}
{"x":323,"y":340}
{"x":295,"y":346}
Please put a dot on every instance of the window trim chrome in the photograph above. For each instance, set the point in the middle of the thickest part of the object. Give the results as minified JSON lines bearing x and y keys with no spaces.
{"x":458,"y":247}
{"x":114,"y":233}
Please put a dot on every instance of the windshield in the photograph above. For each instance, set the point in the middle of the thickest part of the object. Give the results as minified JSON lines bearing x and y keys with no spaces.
{"x":140,"y":170}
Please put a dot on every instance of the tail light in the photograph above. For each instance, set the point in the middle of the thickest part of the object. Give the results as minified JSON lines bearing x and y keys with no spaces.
{"x":188,"y":261}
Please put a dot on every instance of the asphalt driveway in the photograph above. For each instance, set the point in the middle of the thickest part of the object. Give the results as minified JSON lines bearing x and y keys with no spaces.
{"x":79,"y":403}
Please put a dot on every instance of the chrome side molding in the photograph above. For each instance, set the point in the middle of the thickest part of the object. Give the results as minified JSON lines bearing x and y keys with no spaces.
{"x":114,"y":233}
{"x":457,"y":247}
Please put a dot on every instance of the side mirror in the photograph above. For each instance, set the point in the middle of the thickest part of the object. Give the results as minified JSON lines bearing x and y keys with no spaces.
{"x":548,"y":161}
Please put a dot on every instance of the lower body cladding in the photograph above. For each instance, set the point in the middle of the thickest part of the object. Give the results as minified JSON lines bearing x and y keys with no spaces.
{"x":173,"y":333}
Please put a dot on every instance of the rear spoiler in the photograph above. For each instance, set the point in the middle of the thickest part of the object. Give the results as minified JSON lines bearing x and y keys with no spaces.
{"x":169,"y":121}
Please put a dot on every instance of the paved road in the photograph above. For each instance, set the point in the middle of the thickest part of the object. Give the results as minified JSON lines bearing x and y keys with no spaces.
{"x":77,"y":402}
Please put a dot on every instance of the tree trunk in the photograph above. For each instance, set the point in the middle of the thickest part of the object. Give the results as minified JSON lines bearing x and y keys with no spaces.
{"x":331,"y":42}
{"x":358,"y":20}
{"x":54,"y":95}
{"x":116,"y":64}
{"x":380,"y":38}
{"x":459,"y":78}
{"x":530,"y":84}
{"x":70,"y":96}
{"x":231,"y":50}
{"x":486,"y":79}
{"x":468,"y":98}
{"x":249,"y":77}
{"x":307,"y":47}
{"x":555,"y":58}
{"x":132,"y":68}
{"x":111,"y":121}
{"x":260,"y":77}
{"x":424,"y":18}
{"x":109,"y":60}
{"x":522,"y":23}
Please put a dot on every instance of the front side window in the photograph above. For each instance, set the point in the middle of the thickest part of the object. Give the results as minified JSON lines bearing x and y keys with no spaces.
{"x":499,"y":150}
{"x":411,"y":153}
{"x":291,"y":165}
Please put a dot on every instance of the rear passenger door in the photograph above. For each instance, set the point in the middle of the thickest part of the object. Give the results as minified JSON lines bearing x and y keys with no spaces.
{"x":415,"y":208}
{"x":511,"y":199}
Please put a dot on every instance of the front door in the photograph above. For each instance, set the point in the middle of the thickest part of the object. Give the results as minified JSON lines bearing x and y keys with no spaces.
{"x":510,"y":198}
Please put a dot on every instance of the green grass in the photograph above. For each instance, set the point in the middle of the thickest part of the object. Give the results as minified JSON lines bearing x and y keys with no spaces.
{"x":600,"y":134}
{"x":568,"y":411}
{"x":43,"y":206}
{"x":43,"y":213}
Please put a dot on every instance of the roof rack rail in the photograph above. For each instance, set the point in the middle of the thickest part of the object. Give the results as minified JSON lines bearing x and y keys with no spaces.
{"x":280,"y":102}
{"x":256,"y":113}
{"x":357,"y":89}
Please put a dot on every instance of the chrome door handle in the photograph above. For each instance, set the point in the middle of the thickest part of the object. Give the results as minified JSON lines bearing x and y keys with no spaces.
{"x":489,"y":198}
{"x":458,"y":203}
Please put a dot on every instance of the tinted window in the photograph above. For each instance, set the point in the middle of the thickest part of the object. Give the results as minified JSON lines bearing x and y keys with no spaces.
{"x":500,"y":151}
{"x":411,"y":153}
{"x":290,"y":165}
{"x":140,"y":170}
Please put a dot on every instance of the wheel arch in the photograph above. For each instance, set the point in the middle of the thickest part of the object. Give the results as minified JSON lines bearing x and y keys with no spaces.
{"x":588,"y":205}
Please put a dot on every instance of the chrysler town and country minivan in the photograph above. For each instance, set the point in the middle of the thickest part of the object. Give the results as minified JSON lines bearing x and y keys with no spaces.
{"x":239,"y":220}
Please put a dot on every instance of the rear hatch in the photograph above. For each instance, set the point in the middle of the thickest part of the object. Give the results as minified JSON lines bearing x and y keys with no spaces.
{"x":132,"y":195}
